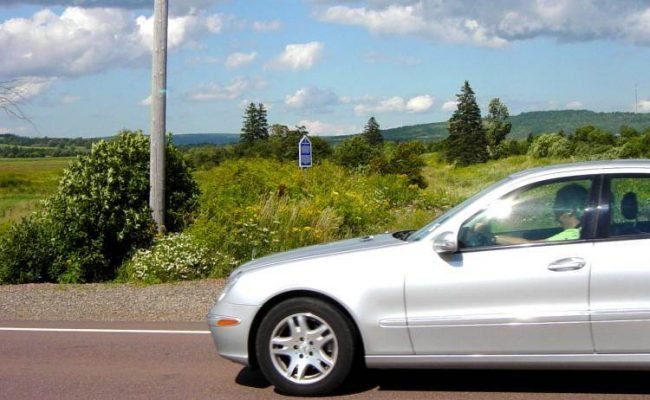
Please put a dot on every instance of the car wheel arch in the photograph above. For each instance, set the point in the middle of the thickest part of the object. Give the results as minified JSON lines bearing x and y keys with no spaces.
{"x":272,"y":302}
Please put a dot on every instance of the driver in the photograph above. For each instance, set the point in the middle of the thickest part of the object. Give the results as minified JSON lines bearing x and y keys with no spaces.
{"x":568,"y":208}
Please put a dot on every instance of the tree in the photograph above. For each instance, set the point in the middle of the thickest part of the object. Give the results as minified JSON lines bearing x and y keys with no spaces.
{"x":255,"y":126}
{"x":466,"y":143}
{"x":497,"y":126}
{"x":372,"y":133}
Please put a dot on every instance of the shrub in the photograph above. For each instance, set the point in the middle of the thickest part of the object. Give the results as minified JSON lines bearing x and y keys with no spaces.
{"x":401,"y":159}
{"x":550,"y":145}
{"x":205,"y":157}
{"x":172,"y":258}
{"x":100,"y":213}
{"x":354,"y":152}
{"x":28,"y":251}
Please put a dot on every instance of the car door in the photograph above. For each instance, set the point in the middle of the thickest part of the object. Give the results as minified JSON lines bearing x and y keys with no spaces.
{"x":620,"y":282}
{"x":495,"y":298}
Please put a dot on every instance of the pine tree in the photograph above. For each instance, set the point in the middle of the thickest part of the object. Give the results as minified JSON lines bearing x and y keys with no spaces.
{"x":255,"y":126}
{"x":372,"y":133}
{"x":262,"y":132}
{"x":466,"y":143}
{"x":250,"y":125}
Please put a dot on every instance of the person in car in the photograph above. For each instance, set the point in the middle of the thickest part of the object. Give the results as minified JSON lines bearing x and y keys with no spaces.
{"x":568,"y":208}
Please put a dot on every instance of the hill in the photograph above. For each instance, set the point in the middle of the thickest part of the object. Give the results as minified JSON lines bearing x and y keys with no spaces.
{"x":535,"y":122}
{"x":197,"y":139}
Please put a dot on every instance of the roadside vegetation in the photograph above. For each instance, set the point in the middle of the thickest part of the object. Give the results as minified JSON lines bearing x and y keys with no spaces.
{"x":229,"y":204}
{"x":24,"y":184}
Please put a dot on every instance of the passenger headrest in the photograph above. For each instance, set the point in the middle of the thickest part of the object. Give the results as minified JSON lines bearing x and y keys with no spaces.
{"x":629,"y":206}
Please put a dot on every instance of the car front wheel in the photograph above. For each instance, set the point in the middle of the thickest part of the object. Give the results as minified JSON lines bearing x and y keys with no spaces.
{"x":305,"y":347}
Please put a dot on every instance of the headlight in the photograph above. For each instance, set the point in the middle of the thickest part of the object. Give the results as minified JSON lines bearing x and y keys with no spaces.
{"x":231,"y":282}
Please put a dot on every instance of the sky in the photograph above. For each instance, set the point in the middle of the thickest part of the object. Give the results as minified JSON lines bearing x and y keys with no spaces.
{"x":82,"y":68}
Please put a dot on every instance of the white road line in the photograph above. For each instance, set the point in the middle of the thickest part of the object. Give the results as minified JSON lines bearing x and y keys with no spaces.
{"x":171,"y":332}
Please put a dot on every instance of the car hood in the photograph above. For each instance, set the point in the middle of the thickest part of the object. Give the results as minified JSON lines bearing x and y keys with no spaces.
{"x":323,"y":250}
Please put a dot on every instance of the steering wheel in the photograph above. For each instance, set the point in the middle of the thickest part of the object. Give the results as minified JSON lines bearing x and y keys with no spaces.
{"x":477,"y":238}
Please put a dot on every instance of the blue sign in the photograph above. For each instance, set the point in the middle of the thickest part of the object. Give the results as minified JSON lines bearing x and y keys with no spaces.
{"x":304,"y":152}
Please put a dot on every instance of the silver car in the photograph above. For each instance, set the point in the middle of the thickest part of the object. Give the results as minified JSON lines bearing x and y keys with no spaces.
{"x":548,"y":268}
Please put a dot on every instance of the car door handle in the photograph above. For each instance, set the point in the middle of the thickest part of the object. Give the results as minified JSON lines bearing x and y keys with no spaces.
{"x":567,"y":264}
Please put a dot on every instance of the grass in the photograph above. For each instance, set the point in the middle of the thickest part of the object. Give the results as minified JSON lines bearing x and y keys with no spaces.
{"x":24,"y":182}
{"x":450,"y":185}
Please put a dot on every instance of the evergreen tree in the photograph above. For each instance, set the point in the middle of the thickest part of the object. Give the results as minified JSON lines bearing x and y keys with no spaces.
{"x":497,"y":126}
{"x":255,"y":124}
{"x":372,"y":133}
{"x":262,"y":123}
{"x":466,"y":143}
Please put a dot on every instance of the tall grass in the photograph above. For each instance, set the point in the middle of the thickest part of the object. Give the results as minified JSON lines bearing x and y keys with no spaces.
{"x":252,"y":207}
{"x":24,"y":183}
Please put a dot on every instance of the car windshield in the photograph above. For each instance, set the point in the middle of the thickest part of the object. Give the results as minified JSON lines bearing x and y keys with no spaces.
{"x":431,"y":226}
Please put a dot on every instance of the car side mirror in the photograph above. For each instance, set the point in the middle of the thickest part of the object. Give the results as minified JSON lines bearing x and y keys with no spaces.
{"x":446,"y":242}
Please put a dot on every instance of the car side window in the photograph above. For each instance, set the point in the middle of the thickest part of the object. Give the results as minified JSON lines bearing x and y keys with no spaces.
{"x":543,"y":212}
{"x":629,"y":206}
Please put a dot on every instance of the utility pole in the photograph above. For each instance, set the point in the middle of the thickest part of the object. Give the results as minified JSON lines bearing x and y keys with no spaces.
{"x":158,"y":117}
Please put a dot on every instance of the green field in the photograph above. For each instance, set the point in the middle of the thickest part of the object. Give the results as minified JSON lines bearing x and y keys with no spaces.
{"x":24,"y":183}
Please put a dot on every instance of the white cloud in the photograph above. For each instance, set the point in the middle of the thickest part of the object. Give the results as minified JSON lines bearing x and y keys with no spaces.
{"x":82,"y":41}
{"x":236,"y":60}
{"x":574,"y":105}
{"x":449,"y":106}
{"x":299,"y":56}
{"x":268,"y":26}
{"x":393,"y":104}
{"x":643,"y":106}
{"x":324,"y":128}
{"x":216,"y":92}
{"x":483,"y":24}
{"x":420,"y":104}
{"x":181,"y":29}
{"x":415,"y":104}
{"x":312,"y":99}
{"x":412,"y":19}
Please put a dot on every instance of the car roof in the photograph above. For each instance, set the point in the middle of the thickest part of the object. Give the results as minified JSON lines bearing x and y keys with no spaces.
{"x":583,"y":166}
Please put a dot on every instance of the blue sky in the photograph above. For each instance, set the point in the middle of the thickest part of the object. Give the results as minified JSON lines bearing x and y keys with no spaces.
{"x":82,"y":67}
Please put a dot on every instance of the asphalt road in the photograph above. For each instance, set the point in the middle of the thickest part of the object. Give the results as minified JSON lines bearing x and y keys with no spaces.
{"x":159,"y":365}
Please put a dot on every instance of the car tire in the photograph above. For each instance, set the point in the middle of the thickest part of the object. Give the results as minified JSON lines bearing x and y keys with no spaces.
{"x":305,"y":347}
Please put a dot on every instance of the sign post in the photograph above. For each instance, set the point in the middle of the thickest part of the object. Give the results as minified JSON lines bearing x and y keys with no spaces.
{"x":304,"y":152}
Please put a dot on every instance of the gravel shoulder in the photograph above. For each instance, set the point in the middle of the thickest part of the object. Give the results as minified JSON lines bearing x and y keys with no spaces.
{"x":183,"y":301}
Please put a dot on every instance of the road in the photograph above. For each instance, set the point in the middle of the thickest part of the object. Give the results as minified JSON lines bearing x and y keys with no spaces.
{"x":157,"y":363}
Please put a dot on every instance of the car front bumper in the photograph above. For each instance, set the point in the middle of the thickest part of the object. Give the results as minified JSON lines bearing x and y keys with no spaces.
{"x":232,"y":340}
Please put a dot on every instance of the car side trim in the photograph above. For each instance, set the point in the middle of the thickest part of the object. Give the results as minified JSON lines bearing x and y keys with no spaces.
{"x":577,"y":316}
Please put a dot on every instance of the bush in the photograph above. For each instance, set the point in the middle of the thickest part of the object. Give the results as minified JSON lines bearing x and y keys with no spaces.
{"x":100,"y":213}
{"x":401,"y":159}
{"x":172,"y":258}
{"x":355,"y":152}
{"x":206,"y":157}
{"x":550,"y":145}
{"x":28,"y":251}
